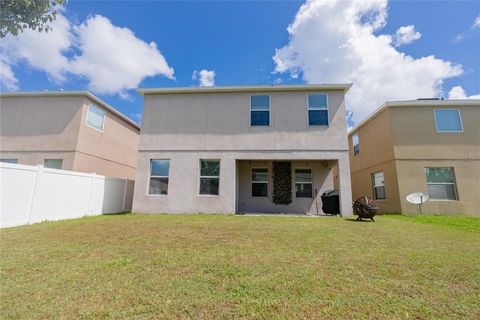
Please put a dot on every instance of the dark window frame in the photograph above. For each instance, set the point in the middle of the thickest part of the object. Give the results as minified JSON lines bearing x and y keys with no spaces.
{"x":51,"y":159}
{"x":303,"y":183}
{"x":454,"y":184}
{"x":95,"y":108}
{"x":259,"y":182}
{"x":209,"y":178}
{"x":448,"y":131}
{"x":356,"y":146}
{"x":9,"y":160}
{"x":264,"y":109}
{"x":159,"y":177}
{"x":313,"y":109}
{"x":375,"y":187}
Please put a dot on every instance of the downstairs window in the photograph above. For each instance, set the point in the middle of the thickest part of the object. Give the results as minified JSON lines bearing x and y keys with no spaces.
{"x":303,"y":183}
{"x":209,"y":177}
{"x":441,"y":183}
{"x":259,"y":182}
{"x":159,"y":170}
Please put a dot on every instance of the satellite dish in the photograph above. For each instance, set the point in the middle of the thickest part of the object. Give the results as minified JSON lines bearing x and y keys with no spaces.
{"x":418,"y":198}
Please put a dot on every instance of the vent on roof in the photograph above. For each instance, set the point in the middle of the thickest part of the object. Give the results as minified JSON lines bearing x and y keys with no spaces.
{"x":421,"y":99}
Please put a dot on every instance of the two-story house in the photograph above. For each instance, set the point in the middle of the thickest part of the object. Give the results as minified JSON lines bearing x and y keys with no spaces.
{"x":70,"y":130}
{"x":425,"y":145}
{"x":244,"y":149}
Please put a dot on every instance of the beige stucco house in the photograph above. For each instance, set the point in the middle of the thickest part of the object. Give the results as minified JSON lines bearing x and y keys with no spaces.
{"x":215,"y":149}
{"x":71,"y":130}
{"x":430,"y":146}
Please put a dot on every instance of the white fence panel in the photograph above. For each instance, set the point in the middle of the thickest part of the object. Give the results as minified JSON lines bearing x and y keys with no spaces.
{"x":17,"y":185}
{"x":59,"y":195}
{"x":34,"y":194}
{"x":107,"y":195}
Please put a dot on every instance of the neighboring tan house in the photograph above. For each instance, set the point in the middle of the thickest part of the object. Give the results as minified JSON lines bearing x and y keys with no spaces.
{"x":425,"y":145}
{"x":213,"y":149}
{"x":67,"y":130}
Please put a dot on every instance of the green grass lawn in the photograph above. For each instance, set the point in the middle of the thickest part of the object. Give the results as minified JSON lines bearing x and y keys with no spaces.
{"x":213,"y":267}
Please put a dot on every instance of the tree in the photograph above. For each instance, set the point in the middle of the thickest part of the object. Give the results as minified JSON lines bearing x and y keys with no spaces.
{"x":16,"y":15}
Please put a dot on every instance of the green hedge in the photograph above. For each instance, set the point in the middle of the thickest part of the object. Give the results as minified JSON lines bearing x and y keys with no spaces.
{"x":282,"y":182}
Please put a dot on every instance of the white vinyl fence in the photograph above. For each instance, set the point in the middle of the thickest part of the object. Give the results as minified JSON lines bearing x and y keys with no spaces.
{"x":30,"y":194}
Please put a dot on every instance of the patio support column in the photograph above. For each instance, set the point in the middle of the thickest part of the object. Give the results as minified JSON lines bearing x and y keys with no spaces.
{"x":345,"y":186}
{"x":228,"y":167}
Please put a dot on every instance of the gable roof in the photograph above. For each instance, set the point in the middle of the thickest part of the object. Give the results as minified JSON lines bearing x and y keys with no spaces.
{"x":86,"y":94}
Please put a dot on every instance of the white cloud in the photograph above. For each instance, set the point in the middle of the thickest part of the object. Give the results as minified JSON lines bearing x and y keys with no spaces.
{"x":405,"y":35}
{"x":42,"y":50}
{"x":458,"y":92}
{"x":336,"y":41}
{"x":111,"y":58}
{"x":476,"y":23}
{"x":7,"y":77}
{"x":464,"y":35}
{"x":206,"y":78}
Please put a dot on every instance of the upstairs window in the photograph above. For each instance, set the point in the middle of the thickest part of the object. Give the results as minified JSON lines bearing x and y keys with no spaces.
{"x":441,"y":183}
{"x":356,"y":144}
{"x":53,"y":163}
{"x":159,"y":170}
{"x":260,"y":110}
{"x":303,"y":183}
{"x":317,"y":106}
{"x":209,"y":177}
{"x":378,"y":182}
{"x":259,"y":182}
{"x":448,"y":120}
{"x":95,"y":117}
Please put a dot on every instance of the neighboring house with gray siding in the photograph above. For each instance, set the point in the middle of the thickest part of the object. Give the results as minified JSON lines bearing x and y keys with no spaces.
{"x":71,"y":130}
{"x":212,"y":149}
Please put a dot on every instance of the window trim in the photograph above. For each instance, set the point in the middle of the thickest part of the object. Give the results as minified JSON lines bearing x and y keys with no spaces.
{"x":103,"y":121}
{"x":295,"y":181}
{"x":457,"y":198}
{"x":200,"y":177}
{"x":61,"y":163}
{"x":252,"y":182}
{"x":353,"y":144}
{"x":150,"y":176}
{"x":375,"y":186}
{"x":445,"y":131}
{"x":269,"y":110}
{"x":326,"y":108}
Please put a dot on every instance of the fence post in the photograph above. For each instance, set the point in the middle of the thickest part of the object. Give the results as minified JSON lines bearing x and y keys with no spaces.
{"x":124,"y":194}
{"x":92,"y":180}
{"x":34,"y":192}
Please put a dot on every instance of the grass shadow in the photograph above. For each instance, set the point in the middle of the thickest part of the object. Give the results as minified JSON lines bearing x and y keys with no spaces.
{"x":355,"y":220}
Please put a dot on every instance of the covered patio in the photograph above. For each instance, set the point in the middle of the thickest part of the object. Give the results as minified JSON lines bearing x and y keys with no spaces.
{"x":284,"y":186}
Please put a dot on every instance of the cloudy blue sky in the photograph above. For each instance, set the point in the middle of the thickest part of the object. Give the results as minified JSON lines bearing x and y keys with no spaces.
{"x":390,"y":50}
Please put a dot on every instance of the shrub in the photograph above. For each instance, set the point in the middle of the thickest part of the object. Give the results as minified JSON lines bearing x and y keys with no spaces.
{"x":282,"y":182}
